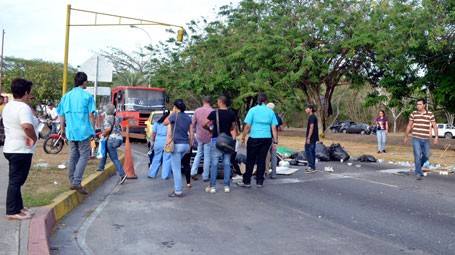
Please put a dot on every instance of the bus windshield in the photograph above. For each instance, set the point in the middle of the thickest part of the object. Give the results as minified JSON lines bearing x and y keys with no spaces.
{"x":138,"y":100}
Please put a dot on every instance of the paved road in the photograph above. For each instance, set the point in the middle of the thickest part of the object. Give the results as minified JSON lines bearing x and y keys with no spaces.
{"x":351,"y":211}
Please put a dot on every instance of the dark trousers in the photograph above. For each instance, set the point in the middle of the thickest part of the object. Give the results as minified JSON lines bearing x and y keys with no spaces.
{"x":19,"y":167}
{"x":256,"y":153}
{"x":310,"y":151}
{"x":186,"y":168}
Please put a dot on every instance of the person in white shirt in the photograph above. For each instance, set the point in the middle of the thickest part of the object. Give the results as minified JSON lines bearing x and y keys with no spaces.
{"x":20,"y":144}
{"x":53,"y":116}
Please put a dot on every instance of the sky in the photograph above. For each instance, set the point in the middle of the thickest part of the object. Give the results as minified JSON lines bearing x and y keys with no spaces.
{"x":35,"y":29}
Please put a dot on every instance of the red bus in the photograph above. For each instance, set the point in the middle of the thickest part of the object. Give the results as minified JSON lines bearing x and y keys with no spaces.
{"x":134,"y":105}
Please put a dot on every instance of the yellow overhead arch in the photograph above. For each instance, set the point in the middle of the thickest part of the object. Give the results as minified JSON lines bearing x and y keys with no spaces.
{"x":122,"y":21}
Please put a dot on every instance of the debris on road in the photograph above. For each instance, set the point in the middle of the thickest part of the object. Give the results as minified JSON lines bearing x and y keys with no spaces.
{"x":322,"y":152}
{"x":338,"y":153}
{"x":286,"y":170}
{"x":328,"y":169}
{"x":367,"y":158}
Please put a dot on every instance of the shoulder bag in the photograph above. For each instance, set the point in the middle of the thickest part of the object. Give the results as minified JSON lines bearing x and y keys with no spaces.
{"x":169,"y":147}
{"x":224,"y":142}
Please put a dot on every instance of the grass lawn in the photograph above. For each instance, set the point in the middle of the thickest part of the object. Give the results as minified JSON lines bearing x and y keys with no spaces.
{"x":45,"y":183}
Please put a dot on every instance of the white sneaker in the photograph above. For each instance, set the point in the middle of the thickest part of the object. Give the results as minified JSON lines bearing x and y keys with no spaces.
{"x":210,"y":190}
{"x":227,"y":189}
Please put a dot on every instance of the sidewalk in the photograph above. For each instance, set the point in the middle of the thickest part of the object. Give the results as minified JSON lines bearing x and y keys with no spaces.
{"x":14,"y":233}
{"x":32,"y":236}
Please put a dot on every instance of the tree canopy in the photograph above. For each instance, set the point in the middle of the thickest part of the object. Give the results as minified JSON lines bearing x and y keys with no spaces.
{"x":46,"y":76}
{"x":300,"y":51}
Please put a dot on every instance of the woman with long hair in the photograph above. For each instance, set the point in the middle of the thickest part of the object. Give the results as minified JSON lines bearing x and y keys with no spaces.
{"x":157,"y":142}
{"x":382,"y":128}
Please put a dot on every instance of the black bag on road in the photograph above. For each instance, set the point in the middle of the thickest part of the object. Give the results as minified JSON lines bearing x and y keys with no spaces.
{"x":337,"y":152}
{"x":322,"y":152}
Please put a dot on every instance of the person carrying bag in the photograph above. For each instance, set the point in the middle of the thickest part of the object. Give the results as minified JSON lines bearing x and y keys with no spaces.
{"x":169,"y":147}
{"x":223,"y":145}
{"x":113,"y":139}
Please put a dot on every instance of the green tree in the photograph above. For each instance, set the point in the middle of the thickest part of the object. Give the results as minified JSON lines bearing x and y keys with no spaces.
{"x":127,"y":78}
{"x":46,"y":76}
{"x":415,"y":49}
{"x":295,"y":51}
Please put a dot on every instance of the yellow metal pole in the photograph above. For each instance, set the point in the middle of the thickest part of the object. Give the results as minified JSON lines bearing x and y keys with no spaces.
{"x":67,"y":39}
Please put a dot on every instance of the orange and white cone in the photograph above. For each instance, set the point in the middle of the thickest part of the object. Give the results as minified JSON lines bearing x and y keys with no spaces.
{"x":128,"y":164}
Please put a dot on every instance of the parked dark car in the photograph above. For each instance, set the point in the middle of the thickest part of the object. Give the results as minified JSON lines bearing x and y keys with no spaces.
{"x":356,"y":128}
{"x":339,"y":126}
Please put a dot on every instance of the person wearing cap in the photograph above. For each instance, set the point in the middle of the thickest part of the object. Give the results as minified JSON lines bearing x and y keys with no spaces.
{"x":273,"y":158}
{"x":77,"y":119}
{"x":51,"y":112}
{"x":261,"y":126}
{"x":311,"y":138}
{"x":112,"y":131}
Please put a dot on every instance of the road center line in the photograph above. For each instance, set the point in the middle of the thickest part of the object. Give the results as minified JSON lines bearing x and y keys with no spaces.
{"x":380,"y":183}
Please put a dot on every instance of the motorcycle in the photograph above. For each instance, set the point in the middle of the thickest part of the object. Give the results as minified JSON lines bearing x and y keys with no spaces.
{"x":55,"y":142}
{"x":43,"y":122}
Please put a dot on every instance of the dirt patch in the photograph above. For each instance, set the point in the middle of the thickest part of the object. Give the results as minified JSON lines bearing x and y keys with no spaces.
{"x":46,"y":181}
{"x":357,"y":145}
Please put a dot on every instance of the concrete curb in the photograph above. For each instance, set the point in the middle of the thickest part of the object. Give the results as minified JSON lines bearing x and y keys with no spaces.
{"x":46,"y":217}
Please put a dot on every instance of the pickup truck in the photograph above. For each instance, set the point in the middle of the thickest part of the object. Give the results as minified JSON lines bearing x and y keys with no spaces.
{"x":445,"y":130}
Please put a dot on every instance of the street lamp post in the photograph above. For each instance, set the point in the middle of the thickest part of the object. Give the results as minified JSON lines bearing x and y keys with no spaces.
{"x":150,"y":38}
{"x":120,"y":22}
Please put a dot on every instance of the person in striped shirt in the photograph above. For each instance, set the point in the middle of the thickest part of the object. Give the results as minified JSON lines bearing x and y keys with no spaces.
{"x":420,"y":122}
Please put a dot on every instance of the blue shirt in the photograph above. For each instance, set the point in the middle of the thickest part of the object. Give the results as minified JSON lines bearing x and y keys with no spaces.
{"x":160,"y":130}
{"x":183,"y":127}
{"x":261,"y":118}
{"x":76,"y":106}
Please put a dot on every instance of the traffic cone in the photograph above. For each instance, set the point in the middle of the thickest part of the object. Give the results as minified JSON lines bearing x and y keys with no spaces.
{"x":128,"y":164}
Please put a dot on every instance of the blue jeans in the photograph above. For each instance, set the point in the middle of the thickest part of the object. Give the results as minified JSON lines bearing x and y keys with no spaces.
{"x":310,"y":151}
{"x":176,"y":163}
{"x":381,"y":139}
{"x":78,"y":157}
{"x":214,"y":159}
{"x":421,"y":148}
{"x":160,"y":157}
{"x":202,"y":149}
{"x":113,"y":155}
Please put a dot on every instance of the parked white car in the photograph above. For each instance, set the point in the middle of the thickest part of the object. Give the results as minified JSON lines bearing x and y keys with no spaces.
{"x":445,"y":130}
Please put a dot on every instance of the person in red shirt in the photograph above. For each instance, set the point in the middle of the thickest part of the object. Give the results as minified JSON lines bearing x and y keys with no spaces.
{"x":203,"y":138}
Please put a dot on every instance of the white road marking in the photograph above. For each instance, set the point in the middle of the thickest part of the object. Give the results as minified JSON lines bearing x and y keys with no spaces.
{"x":328,"y":177}
{"x":82,"y":232}
{"x":381,"y":183}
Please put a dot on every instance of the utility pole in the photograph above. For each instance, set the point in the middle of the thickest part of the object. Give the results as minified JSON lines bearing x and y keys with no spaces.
{"x":1,"y":61}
